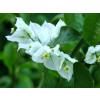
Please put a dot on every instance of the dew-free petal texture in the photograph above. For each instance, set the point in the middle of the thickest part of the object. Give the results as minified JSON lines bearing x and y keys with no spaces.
{"x":90,"y":55}
{"x":38,"y":56}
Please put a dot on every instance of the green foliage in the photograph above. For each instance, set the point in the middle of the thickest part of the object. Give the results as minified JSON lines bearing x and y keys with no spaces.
{"x":10,"y":49}
{"x":67,"y":39}
{"x":91,"y":32}
{"x":18,"y":70}
{"x":75,"y":21}
{"x":5,"y":81}
{"x":10,"y":55}
{"x":24,"y":82}
{"x":82,"y":77}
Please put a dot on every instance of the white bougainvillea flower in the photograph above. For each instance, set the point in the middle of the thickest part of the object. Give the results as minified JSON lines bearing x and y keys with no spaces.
{"x":66,"y":70}
{"x":49,"y":57}
{"x":20,"y":24}
{"x":55,"y":60}
{"x":23,"y":33}
{"x":47,"y":32}
{"x":53,"y":30}
{"x":35,"y":39}
{"x":30,"y":48}
{"x":97,"y":50}
{"x":26,"y":34}
{"x":19,"y":36}
{"x":41,"y":54}
{"x":33,"y":48}
{"x":41,"y":35}
{"x":90,"y":55}
{"x":93,"y":55}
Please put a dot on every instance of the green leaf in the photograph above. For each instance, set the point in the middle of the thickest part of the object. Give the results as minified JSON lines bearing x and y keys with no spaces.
{"x":24,"y":82}
{"x":57,"y":17}
{"x":7,"y":17}
{"x":38,"y":18}
{"x":75,"y":21}
{"x":82,"y":77}
{"x":10,"y":54}
{"x":96,"y":75}
{"x":5,"y":81}
{"x":68,"y":39}
{"x":91,"y":32}
{"x":1,"y":55}
{"x":49,"y":76}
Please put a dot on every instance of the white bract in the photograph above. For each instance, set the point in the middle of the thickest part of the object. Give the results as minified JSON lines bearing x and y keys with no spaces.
{"x":54,"y":59}
{"x":41,"y":54}
{"x":48,"y":57}
{"x":97,"y":50}
{"x":47,"y":32}
{"x":90,"y":56}
{"x":93,"y":55}
{"x":25,"y":34}
{"x":66,"y":70}
{"x":35,"y":39}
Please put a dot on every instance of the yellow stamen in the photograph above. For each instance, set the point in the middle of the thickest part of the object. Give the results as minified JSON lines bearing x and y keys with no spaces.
{"x":46,"y":55}
{"x":66,"y":68}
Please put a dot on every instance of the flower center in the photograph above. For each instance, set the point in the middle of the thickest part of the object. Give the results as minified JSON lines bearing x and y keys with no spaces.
{"x":98,"y":59}
{"x":66,"y":68}
{"x":46,"y":55}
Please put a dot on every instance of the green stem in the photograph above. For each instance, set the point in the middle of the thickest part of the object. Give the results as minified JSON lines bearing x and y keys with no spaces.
{"x":78,"y":46}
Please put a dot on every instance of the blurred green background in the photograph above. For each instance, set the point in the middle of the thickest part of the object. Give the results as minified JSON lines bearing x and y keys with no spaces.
{"x":19,"y":71}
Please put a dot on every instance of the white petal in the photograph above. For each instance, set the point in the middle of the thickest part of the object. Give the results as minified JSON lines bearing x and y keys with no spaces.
{"x":41,"y":33}
{"x":20,"y":24}
{"x":50,"y":29}
{"x":91,"y":49}
{"x":33,"y":47}
{"x":90,"y":58}
{"x":90,"y":55}
{"x":97,"y":50}
{"x":70,"y":59}
{"x":23,"y":45}
{"x":19,"y":36}
{"x":48,"y":25}
{"x":56,"y":50}
{"x":36,"y":28}
{"x":54,"y":63}
{"x":60,"y":24}
{"x":38,"y":55}
{"x":67,"y":74}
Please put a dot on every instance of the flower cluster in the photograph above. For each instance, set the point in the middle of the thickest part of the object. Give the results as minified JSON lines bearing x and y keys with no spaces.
{"x":35,"y":40}
{"x":93,"y":54}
